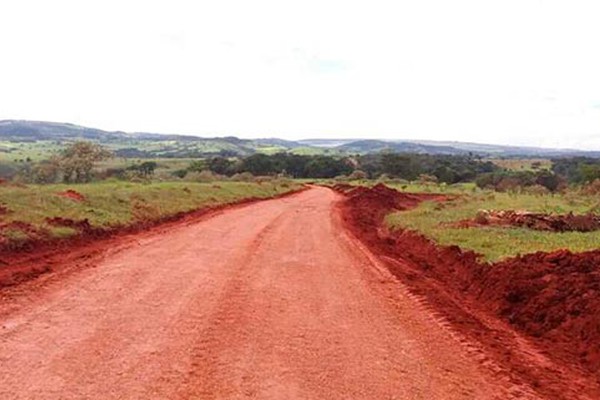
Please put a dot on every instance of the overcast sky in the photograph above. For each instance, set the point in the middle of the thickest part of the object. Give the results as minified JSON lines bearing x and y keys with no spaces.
{"x":502,"y":71}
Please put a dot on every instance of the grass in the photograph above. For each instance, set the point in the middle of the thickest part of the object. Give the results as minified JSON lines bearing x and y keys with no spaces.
{"x":522,"y":164}
{"x":458,"y":188}
{"x":18,"y":152}
{"x":109,"y":204}
{"x":496,"y":243}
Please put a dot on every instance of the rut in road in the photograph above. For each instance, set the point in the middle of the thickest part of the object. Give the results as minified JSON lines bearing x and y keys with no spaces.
{"x":270,"y":300}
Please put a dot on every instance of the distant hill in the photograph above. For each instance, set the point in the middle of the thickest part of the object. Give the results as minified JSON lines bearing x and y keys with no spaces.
{"x":42,"y":136}
{"x":376,"y":146}
{"x":509,"y":151}
{"x":139,"y":144}
{"x":364,"y":146}
{"x":37,"y":130}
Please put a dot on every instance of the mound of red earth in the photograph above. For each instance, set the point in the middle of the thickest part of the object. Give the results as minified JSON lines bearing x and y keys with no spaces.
{"x":375,"y":202}
{"x":552,"y":297}
{"x":343,"y":187}
{"x":555,"y":296}
{"x":72,"y":194}
{"x":537,"y":221}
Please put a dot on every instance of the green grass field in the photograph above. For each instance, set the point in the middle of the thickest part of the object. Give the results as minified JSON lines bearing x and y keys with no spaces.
{"x":496,"y":243}
{"x":522,"y":164}
{"x":109,"y":204}
{"x":458,"y":188}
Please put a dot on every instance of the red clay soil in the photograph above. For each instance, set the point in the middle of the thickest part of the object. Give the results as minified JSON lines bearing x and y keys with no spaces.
{"x":270,"y":300}
{"x":24,"y":227}
{"x":343,"y":187}
{"x":553,"y":299}
{"x":555,"y":296}
{"x":72,"y":194}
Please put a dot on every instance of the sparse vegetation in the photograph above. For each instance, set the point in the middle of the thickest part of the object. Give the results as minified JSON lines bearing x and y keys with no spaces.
{"x":438,"y":222}
{"x":522,"y":164}
{"x":111,"y":204}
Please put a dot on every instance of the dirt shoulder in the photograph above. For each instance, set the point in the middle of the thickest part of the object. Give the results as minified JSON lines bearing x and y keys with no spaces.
{"x":536,"y":315}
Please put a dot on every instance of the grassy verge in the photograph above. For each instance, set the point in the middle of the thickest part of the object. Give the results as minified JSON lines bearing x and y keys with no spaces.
{"x":415,"y":187}
{"x":112,"y":204}
{"x":495,"y":243}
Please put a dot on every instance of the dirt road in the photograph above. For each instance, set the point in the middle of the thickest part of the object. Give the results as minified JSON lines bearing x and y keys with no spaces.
{"x":270,"y":301}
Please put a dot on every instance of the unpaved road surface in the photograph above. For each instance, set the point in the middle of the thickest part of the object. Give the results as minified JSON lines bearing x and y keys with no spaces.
{"x":270,"y":301}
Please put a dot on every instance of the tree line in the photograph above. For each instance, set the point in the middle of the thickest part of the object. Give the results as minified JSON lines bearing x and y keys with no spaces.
{"x":443,"y":168}
{"x":77,"y":163}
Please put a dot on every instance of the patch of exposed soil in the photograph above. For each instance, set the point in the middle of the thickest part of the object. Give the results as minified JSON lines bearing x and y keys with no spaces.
{"x":553,"y":298}
{"x":537,"y":221}
{"x":82,"y":226}
{"x":20,"y":226}
{"x":27,"y":234}
{"x":377,"y":201}
{"x":343,"y":187}
{"x":72,"y":194}
{"x":3,"y":209}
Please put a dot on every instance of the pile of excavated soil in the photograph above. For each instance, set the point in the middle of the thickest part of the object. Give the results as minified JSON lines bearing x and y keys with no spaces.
{"x":537,"y":221}
{"x":343,"y":187}
{"x":550,"y":295}
{"x":554,"y":297}
{"x":378,"y":200}
{"x":72,"y":194}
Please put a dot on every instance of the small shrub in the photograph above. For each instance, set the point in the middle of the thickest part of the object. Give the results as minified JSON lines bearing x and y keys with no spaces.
{"x":203,"y":176}
{"x":242,"y":177}
{"x":262,"y":179}
{"x":537,"y":190}
{"x":357,"y":174}
{"x":591,"y":189}
{"x":142,"y":211}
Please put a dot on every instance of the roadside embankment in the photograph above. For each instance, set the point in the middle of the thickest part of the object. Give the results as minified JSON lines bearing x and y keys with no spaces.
{"x":552,"y":298}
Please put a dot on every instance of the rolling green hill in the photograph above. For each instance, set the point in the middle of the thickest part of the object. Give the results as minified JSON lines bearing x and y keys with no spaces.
{"x":34,"y":140}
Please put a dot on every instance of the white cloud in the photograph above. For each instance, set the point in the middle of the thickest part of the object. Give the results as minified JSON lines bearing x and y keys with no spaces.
{"x":515,"y":72}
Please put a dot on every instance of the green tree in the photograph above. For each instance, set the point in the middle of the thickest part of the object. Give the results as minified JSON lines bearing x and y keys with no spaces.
{"x":47,"y":171}
{"x":221,"y":166}
{"x":144,"y":169}
{"x":78,"y":159}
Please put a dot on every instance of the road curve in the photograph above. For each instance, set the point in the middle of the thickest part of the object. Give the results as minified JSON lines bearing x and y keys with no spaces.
{"x":269,"y":301}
